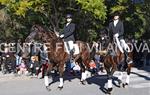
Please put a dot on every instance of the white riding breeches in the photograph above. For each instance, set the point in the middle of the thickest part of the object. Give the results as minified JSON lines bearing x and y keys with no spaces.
{"x":118,"y":44}
{"x":69,"y":45}
{"x":122,"y":45}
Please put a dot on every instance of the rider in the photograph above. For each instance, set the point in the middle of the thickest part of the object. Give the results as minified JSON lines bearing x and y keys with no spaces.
{"x":69,"y":39}
{"x":117,"y":31}
{"x":68,"y":35}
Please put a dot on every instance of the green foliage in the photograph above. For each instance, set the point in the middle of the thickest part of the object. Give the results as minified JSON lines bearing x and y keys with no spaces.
{"x":17,"y":16}
{"x":96,"y":7}
{"x":135,"y":22}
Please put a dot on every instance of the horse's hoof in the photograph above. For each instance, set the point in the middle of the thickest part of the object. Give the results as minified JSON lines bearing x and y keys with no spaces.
{"x":124,"y":85}
{"x":109,"y":91}
{"x":83,"y":82}
{"x":127,"y":84}
{"x":60,"y":87}
{"x":47,"y":88}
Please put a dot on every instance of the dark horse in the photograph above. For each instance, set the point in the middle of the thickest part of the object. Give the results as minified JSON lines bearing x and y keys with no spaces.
{"x":57,"y":54}
{"x":114,"y":59}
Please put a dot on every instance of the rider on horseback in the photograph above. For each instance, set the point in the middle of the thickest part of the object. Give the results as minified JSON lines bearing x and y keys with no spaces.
{"x":117,"y":31}
{"x":68,"y":35}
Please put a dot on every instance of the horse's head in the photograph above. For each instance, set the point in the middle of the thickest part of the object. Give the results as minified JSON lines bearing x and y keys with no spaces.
{"x":104,"y":37}
{"x":36,"y":32}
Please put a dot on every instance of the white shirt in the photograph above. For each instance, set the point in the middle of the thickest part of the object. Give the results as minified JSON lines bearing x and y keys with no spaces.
{"x":67,"y":24}
{"x":115,"y":22}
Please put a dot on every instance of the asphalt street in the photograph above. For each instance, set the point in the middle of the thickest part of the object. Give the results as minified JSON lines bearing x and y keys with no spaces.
{"x":23,"y":85}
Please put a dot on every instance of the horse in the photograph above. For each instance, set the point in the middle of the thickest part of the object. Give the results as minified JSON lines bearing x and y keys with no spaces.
{"x":57,"y":54}
{"x":114,"y":60}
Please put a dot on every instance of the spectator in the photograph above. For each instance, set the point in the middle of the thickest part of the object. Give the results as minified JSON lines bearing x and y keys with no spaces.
{"x":18,"y":53}
{"x":98,"y":61}
{"x":34,"y":59}
{"x":22,"y":68}
{"x":43,"y":60}
{"x":93,"y":68}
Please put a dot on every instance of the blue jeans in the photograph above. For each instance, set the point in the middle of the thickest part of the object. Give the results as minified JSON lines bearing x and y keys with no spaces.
{"x":18,"y":60}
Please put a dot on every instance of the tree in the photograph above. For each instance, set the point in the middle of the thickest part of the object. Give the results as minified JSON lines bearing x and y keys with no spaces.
{"x":134,"y":21}
{"x":51,"y":13}
{"x":89,"y":15}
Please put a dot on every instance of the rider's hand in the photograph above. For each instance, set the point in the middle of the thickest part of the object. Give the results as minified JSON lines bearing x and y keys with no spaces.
{"x":116,"y":35}
{"x":31,"y":66}
{"x":61,"y":36}
{"x":57,"y":34}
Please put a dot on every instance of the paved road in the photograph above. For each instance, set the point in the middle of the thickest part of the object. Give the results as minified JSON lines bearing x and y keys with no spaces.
{"x":10,"y":85}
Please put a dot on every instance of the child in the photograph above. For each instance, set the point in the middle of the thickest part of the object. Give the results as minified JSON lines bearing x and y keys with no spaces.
{"x":22,"y":68}
{"x":93,"y":68}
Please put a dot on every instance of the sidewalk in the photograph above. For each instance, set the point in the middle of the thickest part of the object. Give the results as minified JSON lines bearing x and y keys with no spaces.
{"x":11,"y":76}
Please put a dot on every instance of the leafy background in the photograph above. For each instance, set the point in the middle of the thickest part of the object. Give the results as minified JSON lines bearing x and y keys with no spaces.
{"x":90,"y":16}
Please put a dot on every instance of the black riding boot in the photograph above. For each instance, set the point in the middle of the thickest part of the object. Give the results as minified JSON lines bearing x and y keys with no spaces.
{"x":71,"y":54}
{"x":126,"y":56}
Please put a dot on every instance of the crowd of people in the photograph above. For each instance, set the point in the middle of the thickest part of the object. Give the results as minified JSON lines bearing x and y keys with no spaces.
{"x":37,"y":61}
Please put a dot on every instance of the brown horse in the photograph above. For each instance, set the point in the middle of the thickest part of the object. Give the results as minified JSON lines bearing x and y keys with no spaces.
{"x":114,"y":60}
{"x":56,"y":53}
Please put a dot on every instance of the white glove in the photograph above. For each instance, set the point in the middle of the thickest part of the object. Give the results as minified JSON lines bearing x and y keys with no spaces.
{"x":37,"y":68}
{"x":61,"y":36}
{"x":103,"y":38}
{"x":116,"y":35}
{"x":31,"y":66}
{"x":57,"y":34}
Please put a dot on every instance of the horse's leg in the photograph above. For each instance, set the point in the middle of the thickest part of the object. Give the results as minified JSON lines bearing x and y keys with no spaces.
{"x":128,"y":75}
{"x":120,"y":78}
{"x":61,"y":72}
{"x":46,"y":74}
{"x":83,"y":73}
{"x":110,"y":77}
{"x":109,"y":82}
{"x":110,"y":71}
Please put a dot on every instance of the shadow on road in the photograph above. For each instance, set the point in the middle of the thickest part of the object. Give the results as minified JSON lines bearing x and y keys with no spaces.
{"x":99,"y":80}
{"x":140,"y":75}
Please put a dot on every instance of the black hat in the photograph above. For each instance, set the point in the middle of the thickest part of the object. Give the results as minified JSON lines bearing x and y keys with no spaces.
{"x":68,"y":16}
{"x":116,"y":13}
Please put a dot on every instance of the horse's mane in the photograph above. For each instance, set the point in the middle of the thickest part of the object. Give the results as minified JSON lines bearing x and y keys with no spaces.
{"x":48,"y":34}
